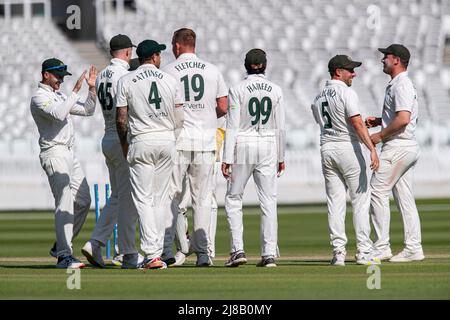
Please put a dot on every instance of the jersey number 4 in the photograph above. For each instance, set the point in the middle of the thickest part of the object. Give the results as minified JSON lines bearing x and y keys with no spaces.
{"x":104,"y":96}
{"x":154,"y":97}
{"x":258,"y":108}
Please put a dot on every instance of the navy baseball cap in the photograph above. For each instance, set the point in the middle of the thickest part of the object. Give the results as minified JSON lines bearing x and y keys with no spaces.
{"x":146,"y":48}
{"x":120,"y":41}
{"x":56,"y":67}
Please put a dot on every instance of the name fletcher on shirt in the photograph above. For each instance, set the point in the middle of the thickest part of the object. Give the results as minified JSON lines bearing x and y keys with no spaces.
{"x":190,"y":65}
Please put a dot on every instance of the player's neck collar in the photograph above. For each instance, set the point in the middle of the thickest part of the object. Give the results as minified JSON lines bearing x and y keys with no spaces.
{"x":45,"y":87}
{"x":399,"y":76}
{"x":187,"y":55}
{"x":120,"y":62}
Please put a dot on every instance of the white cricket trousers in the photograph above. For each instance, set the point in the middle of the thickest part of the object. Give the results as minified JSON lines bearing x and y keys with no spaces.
{"x":181,"y":238}
{"x":344,"y":168}
{"x":396,"y":174}
{"x":151,"y":164}
{"x":71,"y":193}
{"x":197,"y":167}
{"x":120,"y":208}
{"x":257,"y":158}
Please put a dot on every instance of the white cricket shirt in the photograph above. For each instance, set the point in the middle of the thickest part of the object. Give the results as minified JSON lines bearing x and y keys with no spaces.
{"x":201,"y":84}
{"x":332,"y":109}
{"x":401,"y":95}
{"x":151,"y":96}
{"x":106,"y":87}
{"x":52,"y":112}
{"x":255,"y":110}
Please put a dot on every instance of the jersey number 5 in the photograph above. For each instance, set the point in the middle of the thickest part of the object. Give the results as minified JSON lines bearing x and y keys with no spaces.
{"x":104,"y":96}
{"x":326,"y":116}
{"x":258,"y":109}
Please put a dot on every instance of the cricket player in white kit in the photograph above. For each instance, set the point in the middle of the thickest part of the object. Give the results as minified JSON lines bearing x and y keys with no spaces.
{"x":205,"y":95}
{"x":52,"y":111}
{"x":149,"y":102}
{"x":399,"y":154}
{"x":181,"y":232}
{"x":254,"y":145}
{"x":120,"y":207}
{"x":336,"y":110}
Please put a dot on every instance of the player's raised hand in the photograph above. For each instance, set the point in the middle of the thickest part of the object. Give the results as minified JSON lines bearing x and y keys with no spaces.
{"x":374,"y":161}
{"x":226,"y":170}
{"x":372,"y":122}
{"x":79,"y":82}
{"x":281,"y":167}
{"x":92,"y":77}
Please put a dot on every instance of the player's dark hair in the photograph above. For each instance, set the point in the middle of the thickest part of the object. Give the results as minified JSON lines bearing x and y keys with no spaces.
{"x":251,"y":70}
{"x":184,"y":36}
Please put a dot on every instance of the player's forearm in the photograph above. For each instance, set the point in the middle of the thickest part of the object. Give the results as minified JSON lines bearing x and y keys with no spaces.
{"x":229,"y":145}
{"x":281,"y":143}
{"x":61,"y":110}
{"x":88,"y":107}
{"x":362,"y":132}
{"x":364,"y":136}
{"x":399,"y":123}
{"x":222,"y":105}
{"x":179,"y":116}
{"x":122,"y":127}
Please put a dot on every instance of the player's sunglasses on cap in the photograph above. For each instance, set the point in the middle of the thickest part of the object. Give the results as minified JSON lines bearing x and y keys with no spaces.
{"x":147,"y":48}
{"x":343,"y":62}
{"x":56,"y":67}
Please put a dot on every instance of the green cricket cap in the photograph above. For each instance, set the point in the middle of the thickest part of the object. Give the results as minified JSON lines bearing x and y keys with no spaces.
{"x":56,"y":67}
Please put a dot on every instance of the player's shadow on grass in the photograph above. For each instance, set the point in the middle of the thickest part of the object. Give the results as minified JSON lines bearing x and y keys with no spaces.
{"x":46,"y":266}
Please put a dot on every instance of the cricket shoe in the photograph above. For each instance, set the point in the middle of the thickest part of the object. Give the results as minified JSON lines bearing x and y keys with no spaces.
{"x":155,"y":263}
{"x":93,"y":254}
{"x":338,"y":259}
{"x":53,"y":252}
{"x":383,"y":255}
{"x":268,"y":262}
{"x":170,"y":261}
{"x":117,"y":260}
{"x":132,"y":261}
{"x":236,"y":259}
{"x":180,"y":258}
{"x":408,"y":256}
{"x":69,"y":262}
{"x":203,"y":260}
{"x":367,"y":259}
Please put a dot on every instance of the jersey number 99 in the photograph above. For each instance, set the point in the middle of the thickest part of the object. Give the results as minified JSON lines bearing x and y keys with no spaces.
{"x":258,"y":108}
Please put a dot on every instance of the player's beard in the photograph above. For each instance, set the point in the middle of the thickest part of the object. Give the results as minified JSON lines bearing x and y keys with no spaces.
{"x":387,"y":67}
{"x":55,"y":83}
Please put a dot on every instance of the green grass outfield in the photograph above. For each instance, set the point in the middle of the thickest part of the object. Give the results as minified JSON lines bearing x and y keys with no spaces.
{"x":303,"y":272}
